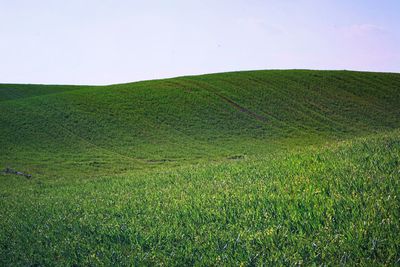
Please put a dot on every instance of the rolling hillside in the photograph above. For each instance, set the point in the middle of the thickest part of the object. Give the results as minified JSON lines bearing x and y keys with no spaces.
{"x":189,"y":119}
{"x":254,"y":168}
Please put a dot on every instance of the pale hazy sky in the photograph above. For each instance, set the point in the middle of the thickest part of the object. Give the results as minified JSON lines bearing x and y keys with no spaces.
{"x":114,"y":41}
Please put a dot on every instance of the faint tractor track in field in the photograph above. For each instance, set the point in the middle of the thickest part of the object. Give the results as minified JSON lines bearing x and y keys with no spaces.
{"x":82,"y":139}
{"x":229,"y":101}
{"x":241,"y":108}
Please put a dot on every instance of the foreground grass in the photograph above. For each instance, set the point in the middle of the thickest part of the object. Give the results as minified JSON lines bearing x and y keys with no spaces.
{"x":332,"y":205}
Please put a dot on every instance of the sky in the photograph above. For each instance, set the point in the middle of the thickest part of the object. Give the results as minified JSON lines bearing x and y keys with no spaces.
{"x":117,"y":41}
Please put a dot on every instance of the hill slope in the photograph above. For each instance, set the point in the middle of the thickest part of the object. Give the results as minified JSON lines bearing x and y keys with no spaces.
{"x":295,"y":167}
{"x":215,"y":116}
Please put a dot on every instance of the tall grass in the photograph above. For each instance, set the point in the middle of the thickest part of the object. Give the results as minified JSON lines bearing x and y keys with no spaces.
{"x":333,"y":205}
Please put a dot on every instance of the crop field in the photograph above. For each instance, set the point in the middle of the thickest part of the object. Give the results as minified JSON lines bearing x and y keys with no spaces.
{"x":249,"y":168}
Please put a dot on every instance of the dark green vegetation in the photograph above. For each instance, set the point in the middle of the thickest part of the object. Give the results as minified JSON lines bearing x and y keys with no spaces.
{"x":274,"y":167}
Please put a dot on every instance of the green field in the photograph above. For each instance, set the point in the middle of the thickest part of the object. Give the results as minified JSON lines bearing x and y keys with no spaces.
{"x":246,"y":168}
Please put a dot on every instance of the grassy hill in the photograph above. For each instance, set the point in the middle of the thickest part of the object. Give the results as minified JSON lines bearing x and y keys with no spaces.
{"x":276,"y":167}
{"x":189,"y":119}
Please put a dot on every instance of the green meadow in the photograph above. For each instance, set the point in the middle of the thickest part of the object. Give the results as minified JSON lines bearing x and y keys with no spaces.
{"x":251,"y":168}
